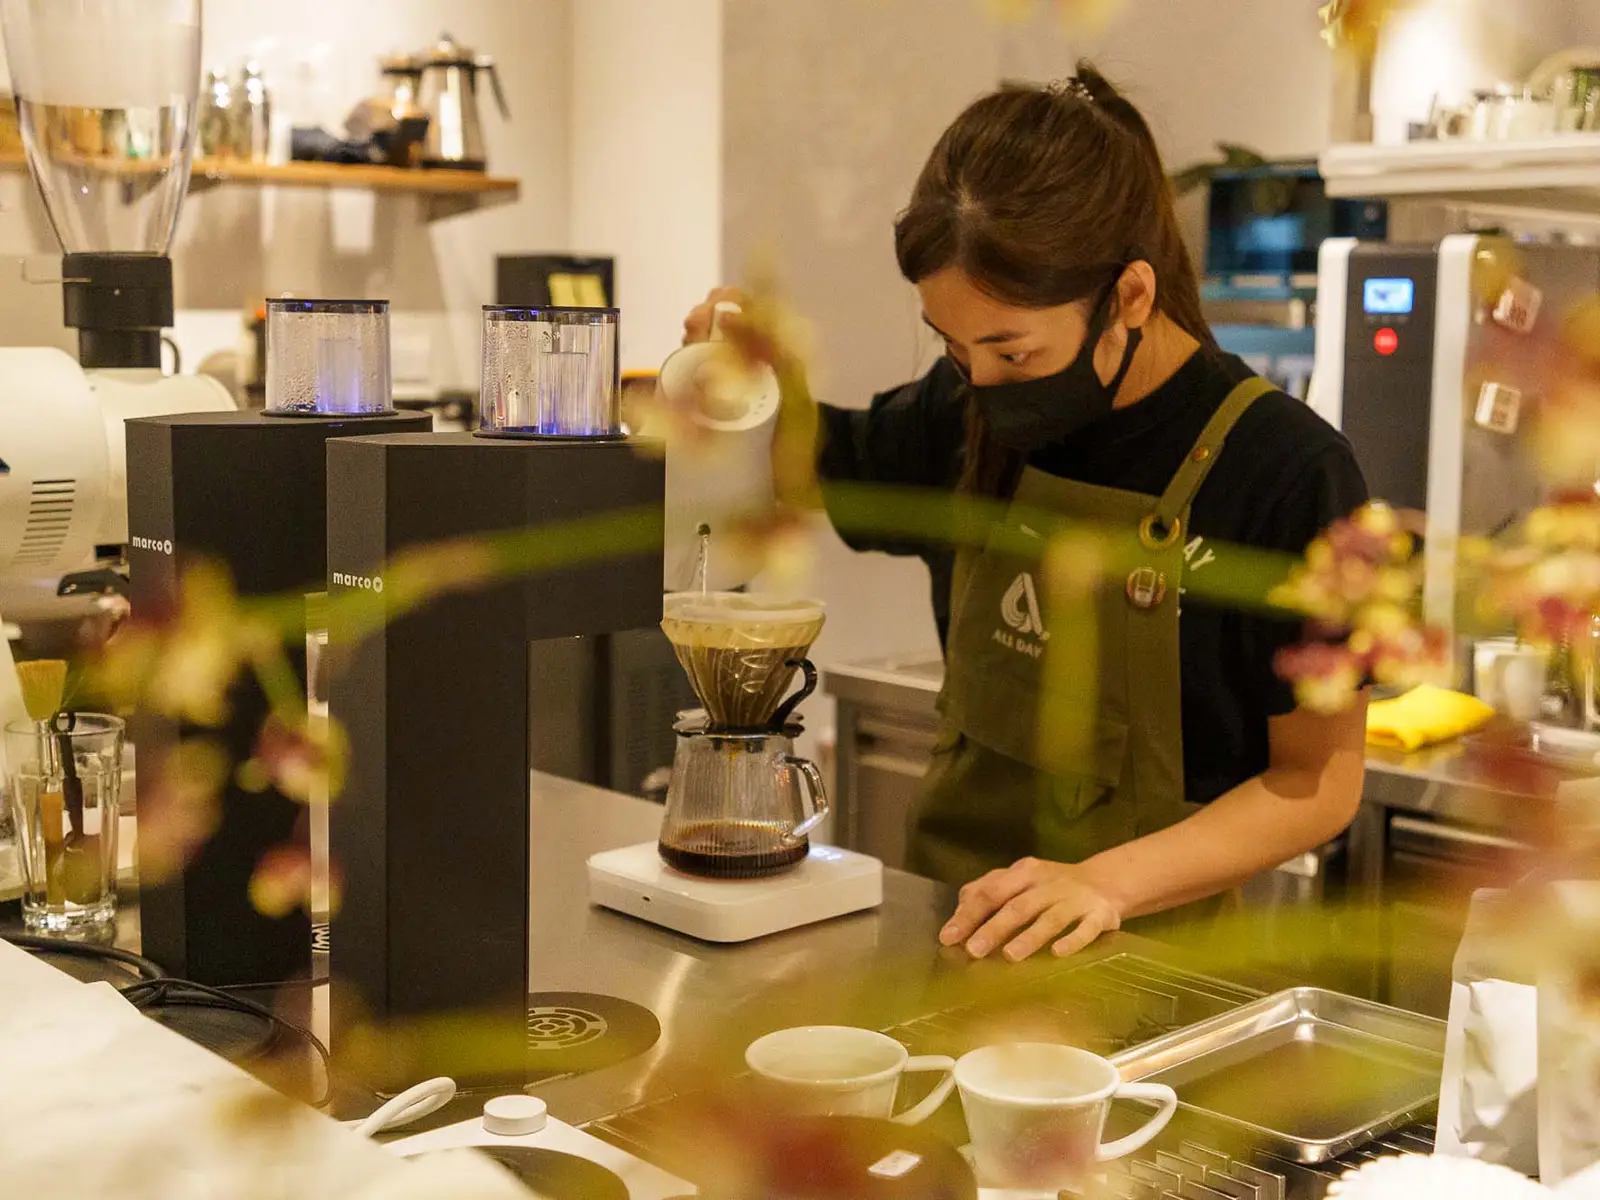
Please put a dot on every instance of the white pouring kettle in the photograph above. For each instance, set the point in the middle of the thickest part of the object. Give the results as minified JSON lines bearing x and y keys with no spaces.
{"x":720,"y":470}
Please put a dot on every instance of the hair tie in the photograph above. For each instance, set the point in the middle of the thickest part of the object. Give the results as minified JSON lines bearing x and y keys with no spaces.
{"x":1071,"y":86}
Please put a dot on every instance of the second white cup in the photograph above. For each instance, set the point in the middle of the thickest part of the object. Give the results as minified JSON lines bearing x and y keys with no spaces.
{"x":1510,"y":676}
{"x":839,"y":1070}
{"x":1036,"y":1112}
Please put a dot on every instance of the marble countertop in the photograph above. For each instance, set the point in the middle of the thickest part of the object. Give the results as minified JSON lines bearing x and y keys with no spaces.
{"x":101,"y":1101}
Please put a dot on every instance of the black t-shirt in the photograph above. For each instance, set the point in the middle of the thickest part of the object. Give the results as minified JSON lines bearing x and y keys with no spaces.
{"x":1284,"y":475}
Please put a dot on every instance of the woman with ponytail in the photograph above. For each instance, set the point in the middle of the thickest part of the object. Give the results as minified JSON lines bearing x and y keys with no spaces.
{"x":1080,"y":380}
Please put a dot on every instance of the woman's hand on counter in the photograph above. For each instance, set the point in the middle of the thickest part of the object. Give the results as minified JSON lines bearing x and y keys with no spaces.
{"x":1031,"y":904}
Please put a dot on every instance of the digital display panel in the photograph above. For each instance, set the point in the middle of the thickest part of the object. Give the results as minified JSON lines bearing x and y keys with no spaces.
{"x":1388,"y":297}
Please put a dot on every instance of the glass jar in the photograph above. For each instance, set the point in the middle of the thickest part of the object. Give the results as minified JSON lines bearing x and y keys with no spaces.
{"x":551,"y":373}
{"x":328,"y":358}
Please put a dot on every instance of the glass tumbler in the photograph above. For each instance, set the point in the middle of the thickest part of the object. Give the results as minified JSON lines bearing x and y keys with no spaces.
{"x":550,"y":373}
{"x":66,"y":779}
{"x":328,"y":358}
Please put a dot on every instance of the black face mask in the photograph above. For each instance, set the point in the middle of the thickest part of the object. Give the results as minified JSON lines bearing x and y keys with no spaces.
{"x":1036,"y":413}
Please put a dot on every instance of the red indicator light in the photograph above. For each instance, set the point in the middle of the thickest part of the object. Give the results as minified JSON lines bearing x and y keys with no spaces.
{"x":1386,"y":341}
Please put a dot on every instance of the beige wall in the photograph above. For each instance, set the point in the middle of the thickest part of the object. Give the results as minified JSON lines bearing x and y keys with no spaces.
{"x":832,"y":106}
{"x":646,"y":158}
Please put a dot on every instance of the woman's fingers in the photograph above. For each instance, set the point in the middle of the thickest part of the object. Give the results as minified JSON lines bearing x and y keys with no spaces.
{"x":1091,"y":927}
{"x":697,"y":326}
{"x":1049,"y":925}
{"x":1017,"y":913}
{"x":979,"y":900}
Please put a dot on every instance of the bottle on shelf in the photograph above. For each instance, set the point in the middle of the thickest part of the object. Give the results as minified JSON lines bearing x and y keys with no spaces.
{"x":252,"y":126}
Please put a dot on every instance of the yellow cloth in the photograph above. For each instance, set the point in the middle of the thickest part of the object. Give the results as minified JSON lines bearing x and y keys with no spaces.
{"x":1424,"y":716}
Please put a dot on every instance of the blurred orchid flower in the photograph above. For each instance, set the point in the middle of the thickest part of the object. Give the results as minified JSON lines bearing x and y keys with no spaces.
{"x":182,"y":664}
{"x":300,"y":758}
{"x":1354,"y":24}
{"x":1359,"y":585}
{"x":178,"y":807}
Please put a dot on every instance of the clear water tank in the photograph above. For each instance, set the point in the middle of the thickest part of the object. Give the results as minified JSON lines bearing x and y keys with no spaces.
{"x":550,"y":373}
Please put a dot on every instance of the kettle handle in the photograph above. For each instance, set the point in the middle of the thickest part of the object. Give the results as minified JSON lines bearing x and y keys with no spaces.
{"x":485,"y":63}
{"x":818,"y":794}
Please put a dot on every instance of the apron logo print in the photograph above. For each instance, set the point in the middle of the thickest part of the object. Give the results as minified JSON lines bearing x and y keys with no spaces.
{"x":1019,"y":608}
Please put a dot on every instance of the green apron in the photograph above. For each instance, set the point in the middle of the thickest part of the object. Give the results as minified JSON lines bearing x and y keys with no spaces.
{"x":998,"y":789}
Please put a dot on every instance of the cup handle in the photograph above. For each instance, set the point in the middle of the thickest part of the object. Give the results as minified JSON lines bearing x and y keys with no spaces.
{"x":816,"y":792}
{"x":941,"y":1092}
{"x":1155,"y":1093}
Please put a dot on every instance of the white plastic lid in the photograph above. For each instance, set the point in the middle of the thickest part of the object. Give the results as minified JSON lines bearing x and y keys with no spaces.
{"x":515,"y":1116}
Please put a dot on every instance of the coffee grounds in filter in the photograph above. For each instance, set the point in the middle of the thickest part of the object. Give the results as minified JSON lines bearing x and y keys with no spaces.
{"x":738,"y":650}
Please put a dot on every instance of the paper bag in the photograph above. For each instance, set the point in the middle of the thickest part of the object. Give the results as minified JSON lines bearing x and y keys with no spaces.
{"x":1488,"y":1097}
{"x":1569,"y":1038}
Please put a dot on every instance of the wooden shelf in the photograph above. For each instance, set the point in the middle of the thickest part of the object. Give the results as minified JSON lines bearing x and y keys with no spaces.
{"x":444,"y":193}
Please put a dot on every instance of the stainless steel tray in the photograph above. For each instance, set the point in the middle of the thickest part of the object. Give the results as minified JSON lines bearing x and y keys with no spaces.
{"x":1306,"y":1074}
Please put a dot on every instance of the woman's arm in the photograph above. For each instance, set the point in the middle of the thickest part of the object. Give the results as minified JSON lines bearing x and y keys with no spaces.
{"x":1308,"y":794}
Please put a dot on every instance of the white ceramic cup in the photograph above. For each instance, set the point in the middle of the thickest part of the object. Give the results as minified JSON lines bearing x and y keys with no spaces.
{"x":838,"y":1070}
{"x":1509,"y":676}
{"x":1036,"y":1113}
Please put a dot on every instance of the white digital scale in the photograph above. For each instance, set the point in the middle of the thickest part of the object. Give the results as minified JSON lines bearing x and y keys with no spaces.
{"x":521,"y":1120}
{"x":829,"y":883}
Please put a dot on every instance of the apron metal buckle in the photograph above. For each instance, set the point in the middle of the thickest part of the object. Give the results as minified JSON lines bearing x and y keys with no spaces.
{"x":1153,"y":537}
{"x":1147,"y":588}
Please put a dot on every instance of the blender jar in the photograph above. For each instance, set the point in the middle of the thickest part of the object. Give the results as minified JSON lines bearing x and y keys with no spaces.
{"x":328,"y":358}
{"x":550,"y":373}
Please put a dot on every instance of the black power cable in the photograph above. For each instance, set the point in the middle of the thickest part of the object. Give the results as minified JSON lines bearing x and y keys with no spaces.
{"x":151,"y":994}
{"x":142,"y":968}
{"x":153,"y":989}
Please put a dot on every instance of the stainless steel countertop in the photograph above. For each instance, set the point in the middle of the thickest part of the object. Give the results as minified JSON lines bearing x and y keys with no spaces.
{"x":1440,"y":782}
{"x":877,"y":969}
{"x":874,"y":969}
{"x":908,"y":685}
{"x":711,"y":1000}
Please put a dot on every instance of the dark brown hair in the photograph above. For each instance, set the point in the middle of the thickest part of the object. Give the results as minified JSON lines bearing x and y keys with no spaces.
{"x":1043,"y":196}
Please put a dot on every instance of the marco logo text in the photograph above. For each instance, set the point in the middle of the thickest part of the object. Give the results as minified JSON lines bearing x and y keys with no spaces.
{"x":156,"y":544}
{"x":364,"y":583}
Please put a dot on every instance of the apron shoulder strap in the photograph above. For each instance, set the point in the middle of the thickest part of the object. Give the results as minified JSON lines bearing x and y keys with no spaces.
{"x":1198,"y":462}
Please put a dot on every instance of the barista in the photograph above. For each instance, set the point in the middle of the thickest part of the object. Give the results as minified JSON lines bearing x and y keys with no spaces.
{"x":1080,"y":378}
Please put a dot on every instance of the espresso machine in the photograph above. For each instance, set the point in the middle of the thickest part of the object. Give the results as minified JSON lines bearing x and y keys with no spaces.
{"x":247,"y":489}
{"x":1428,"y":359}
{"x":432,"y":829}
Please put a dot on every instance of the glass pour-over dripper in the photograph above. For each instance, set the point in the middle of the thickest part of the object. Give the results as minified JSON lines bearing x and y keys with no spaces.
{"x":740,"y":651}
